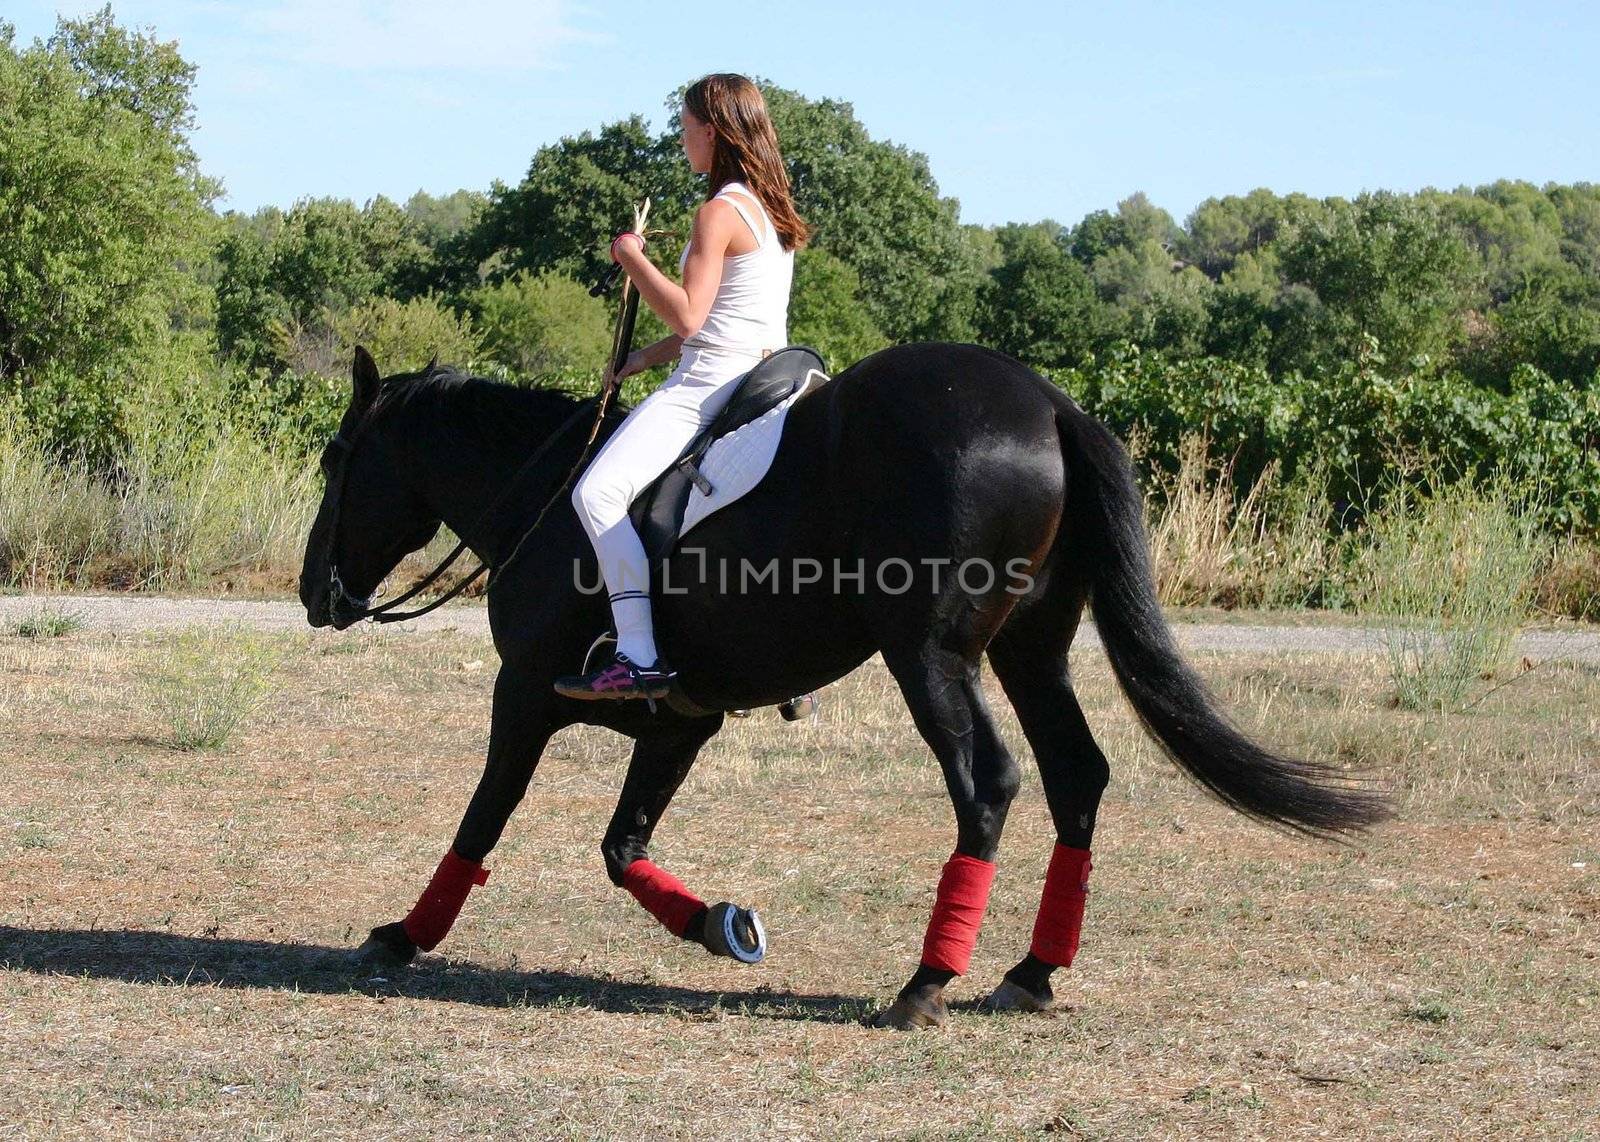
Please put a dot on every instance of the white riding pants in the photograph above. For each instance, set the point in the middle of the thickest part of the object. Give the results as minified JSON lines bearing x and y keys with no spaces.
{"x":644,"y":445}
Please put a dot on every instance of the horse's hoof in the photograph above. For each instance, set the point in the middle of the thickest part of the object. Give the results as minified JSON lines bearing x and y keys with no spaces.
{"x":735,"y":932}
{"x":1014,"y":997}
{"x":387,"y":947}
{"x":910,"y":1012}
{"x":797,"y":708}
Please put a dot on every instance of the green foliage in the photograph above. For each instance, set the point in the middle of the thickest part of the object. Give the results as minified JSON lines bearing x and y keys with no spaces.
{"x":871,"y":204}
{"x":402,"y":336}
{"x":281,"y":272}
{"x":1222,"y":230}
{"x":1039,"y":303}
{"x":101,"y":202}
{"x":298,"y":405}
{"x":825,"y":310}
{"x":538,"y":324}
{"x":576,"y":195}
{"x":1385,"y":266}
{"x":1359,"y":420}
{"x":875,"y":205}
{"x":442,"y":220}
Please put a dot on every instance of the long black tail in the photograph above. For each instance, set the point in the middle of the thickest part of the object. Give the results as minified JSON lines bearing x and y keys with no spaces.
{"x":1174,"y":704}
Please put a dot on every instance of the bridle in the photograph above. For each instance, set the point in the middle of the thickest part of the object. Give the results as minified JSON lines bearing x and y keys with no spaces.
{"x":356,"y":609}
{"x":344,"y":605}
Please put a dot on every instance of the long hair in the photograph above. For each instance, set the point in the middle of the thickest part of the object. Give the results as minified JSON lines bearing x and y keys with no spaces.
{"x":746,"y":148}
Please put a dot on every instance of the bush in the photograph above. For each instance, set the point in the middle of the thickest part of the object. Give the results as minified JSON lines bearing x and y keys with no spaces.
{"x":401,"y":336}
{"x":537,"y":325}
{"x":1359,"y":421}
{"x":1570,"y":584}
{"x":55,"y":521}
{"x":181,"y":505}
{"x":207,"y":682}
{"x":47,"y":621}
{"x":1268,"y":547}
{"x":1451,"y":572}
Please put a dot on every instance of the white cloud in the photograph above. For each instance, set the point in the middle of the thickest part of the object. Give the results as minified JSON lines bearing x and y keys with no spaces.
{"x":411,"y":35}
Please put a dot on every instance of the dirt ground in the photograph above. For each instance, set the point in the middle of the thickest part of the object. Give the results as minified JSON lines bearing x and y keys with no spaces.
{"x":173,"y":920}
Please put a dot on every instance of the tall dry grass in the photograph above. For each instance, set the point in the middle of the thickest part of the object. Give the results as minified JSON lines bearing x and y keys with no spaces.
{"x":1269,"y":547}
{"x":1451,"y":573}
{"x":180,"y":511}
{"x":195,"y":502}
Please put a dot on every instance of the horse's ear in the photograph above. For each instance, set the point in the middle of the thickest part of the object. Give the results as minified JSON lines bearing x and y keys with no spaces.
{"x":365,"y":375}
{"x":433,"y":364}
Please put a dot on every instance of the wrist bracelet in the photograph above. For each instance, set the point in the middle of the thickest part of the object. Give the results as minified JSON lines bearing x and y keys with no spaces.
{"x":620,"y":237}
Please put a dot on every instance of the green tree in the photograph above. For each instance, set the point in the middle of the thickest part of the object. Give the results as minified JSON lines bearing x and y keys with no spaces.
{"x":1221,"y":230}
{"x":1039,"y":304}
{"x":1386,"y":266}
{"x":1514,"y":229}
{"x":544,"y":323}
{"x":875,"y":205}
{"x":324,"y":254}
{"x":103,"y":206}
{"x":1578,"y":206}
{"x":825,"y":310}
{"x":871,"y":204}
{"x":577,"y":194}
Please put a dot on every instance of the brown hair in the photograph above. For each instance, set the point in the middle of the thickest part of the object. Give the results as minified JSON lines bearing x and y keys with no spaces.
{"x":746,"y":148}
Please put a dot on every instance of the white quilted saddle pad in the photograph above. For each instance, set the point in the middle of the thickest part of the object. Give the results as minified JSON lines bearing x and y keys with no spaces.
{"x":735,"y":463}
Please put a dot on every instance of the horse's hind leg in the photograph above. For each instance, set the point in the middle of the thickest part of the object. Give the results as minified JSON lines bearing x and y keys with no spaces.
{"x":1029,"y":656}
{"x":660,"y":763}
{"x":942,"y":688}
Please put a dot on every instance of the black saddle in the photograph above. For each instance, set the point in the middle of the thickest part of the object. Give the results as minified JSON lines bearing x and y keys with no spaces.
{"x":657,"y":512}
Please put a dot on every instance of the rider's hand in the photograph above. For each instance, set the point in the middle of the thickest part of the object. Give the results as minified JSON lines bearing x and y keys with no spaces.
{"x":634,"y":364}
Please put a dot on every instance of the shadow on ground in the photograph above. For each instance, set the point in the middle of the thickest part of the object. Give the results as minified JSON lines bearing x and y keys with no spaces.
{"x":169,"y":960}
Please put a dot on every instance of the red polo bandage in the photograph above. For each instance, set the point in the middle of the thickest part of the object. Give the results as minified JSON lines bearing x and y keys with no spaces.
{"x":440,"y":903}
{"x":662,"y":894}
{"x":1066,"y":891}
{"x":957,"y":913}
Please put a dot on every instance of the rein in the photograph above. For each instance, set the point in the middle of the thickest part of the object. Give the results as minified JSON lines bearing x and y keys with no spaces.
{"x":356,"y":609}
{"x":345,"y":605}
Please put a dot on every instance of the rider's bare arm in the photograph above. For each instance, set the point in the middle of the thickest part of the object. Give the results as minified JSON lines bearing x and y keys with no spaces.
{"x":684,"y":307}
{"x":669,"y":348}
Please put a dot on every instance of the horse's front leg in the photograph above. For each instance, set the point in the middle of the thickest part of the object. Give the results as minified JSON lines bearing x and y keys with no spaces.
{"x":521,"y":725}
{"x":660,"y":762}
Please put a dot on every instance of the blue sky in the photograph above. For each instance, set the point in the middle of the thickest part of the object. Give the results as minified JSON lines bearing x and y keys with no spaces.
{"x":1025,"y":110}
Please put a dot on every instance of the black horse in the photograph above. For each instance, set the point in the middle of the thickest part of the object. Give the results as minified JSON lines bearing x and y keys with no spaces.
{"x":958,"y":504}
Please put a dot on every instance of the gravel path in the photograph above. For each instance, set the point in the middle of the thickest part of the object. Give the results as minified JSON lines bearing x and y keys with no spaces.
{"x":146,"y":613}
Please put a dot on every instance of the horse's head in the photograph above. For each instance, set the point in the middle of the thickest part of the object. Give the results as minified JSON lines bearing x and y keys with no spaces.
{"x":371,"y":516}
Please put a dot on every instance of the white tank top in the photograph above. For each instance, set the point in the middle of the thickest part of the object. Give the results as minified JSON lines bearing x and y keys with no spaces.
{"x":751,"y":309}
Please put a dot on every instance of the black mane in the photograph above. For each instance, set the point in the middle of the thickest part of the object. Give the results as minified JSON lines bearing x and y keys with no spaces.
{"x":482,"y":413}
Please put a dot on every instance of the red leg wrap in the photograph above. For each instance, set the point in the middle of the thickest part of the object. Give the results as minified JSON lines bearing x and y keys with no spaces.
{"x":1066,"y":891}
{"x":957,"y":913}
{"x":440,"y":903}
{"x":662,"y":894}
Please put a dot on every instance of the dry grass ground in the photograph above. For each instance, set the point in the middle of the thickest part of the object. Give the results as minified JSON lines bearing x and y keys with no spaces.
{"x":170,"y":921}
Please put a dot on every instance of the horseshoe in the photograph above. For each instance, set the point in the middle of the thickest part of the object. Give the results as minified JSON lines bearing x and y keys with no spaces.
{"x":735,"y":932}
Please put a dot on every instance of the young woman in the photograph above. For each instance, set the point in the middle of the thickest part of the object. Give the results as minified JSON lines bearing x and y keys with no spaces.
{"x":731,"y":310}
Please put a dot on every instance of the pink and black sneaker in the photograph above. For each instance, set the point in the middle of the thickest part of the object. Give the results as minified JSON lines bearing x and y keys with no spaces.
{"x":620,"y":678}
